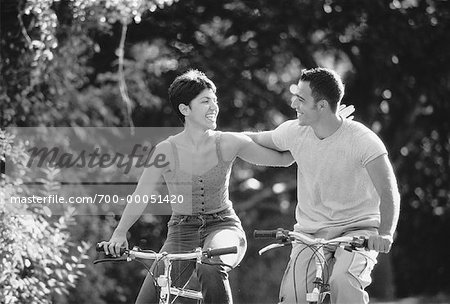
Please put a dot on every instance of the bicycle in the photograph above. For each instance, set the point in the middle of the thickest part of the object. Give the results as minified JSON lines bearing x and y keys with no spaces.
{"x":164,"y":281}
{"x":284,"y":237}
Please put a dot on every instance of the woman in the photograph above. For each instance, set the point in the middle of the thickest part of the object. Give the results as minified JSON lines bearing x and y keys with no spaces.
{"x":200,"y":161}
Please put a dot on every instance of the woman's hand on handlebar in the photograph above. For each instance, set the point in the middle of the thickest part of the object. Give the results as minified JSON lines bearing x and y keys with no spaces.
{"x":118,"y":240}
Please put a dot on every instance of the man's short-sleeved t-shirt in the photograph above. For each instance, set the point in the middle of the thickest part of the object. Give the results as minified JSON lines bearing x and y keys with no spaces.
{"x":333,"y":187}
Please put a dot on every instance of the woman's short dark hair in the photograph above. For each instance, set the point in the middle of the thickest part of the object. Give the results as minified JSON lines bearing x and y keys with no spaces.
{"x":186,"y":87}
{"x":325,"y":84}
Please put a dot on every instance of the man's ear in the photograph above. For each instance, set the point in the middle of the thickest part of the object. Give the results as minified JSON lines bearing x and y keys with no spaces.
{"x":323,"y":104}
{"x":184,"y":109}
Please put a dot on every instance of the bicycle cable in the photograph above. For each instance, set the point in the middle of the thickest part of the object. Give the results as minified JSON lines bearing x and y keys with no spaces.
{"x":219,"y":264}
{"x":325,"y":268}
{"x":293,"y":272}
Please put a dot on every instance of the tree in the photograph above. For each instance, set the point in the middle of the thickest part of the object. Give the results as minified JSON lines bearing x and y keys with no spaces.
{"x":393,"y":56}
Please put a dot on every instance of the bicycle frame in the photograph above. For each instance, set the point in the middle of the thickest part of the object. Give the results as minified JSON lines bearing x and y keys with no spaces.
{"x":164,"y":281}
{"x":320,"y":289}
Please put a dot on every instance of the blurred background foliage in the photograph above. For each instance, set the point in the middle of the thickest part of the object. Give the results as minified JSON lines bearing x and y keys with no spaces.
{"x":39,"y":260}
{"x":110,"y":62}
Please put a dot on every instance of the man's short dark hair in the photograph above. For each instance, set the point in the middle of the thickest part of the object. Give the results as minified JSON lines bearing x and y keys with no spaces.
{"x":325,"y":84}
{"x":186,"y":87}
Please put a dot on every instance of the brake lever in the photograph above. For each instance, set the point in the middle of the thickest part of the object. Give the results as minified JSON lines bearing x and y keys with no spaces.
{"x":272,"y":246}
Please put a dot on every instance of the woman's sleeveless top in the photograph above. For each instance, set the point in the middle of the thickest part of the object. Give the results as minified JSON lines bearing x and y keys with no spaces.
{"x":202,"y":194}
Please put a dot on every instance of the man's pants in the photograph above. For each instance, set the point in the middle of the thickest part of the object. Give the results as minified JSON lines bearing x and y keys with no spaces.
{"x":349,"y":274}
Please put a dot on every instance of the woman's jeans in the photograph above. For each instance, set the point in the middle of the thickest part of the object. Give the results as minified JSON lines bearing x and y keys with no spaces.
{"x":187,"y":232}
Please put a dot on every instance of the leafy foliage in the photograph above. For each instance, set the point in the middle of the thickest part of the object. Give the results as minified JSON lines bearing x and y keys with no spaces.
{"x":39,"y":260}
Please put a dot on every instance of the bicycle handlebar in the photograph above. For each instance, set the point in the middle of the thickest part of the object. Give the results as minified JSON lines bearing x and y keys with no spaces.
{"x":138,"y":253}
{"x":220,"y":251}
{"x":99,"y":248}
{"x":271,"y":234}
{"x":286,"y":236}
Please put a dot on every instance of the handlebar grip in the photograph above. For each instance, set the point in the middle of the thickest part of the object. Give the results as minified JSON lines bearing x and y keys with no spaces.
{"x":265,"y":234}
{"x":221,"y":251}
{"x":279,"y":234}
{"x":99,"y":248}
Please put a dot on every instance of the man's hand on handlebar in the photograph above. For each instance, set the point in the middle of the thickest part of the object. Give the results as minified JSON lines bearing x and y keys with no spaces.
{"x":380,"y":243}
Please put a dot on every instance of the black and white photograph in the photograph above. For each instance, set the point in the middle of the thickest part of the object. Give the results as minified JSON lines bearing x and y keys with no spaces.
{"x":224,"y":151}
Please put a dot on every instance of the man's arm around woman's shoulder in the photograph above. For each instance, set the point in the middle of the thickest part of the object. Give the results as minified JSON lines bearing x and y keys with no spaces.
{"x":252,"y":151}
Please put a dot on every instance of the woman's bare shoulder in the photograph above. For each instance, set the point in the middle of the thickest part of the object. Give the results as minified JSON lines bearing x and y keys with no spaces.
{"x":232,"y":142}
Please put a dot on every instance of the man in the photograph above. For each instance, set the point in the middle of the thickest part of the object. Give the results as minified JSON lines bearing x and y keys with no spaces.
{"x":346,"y":186}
